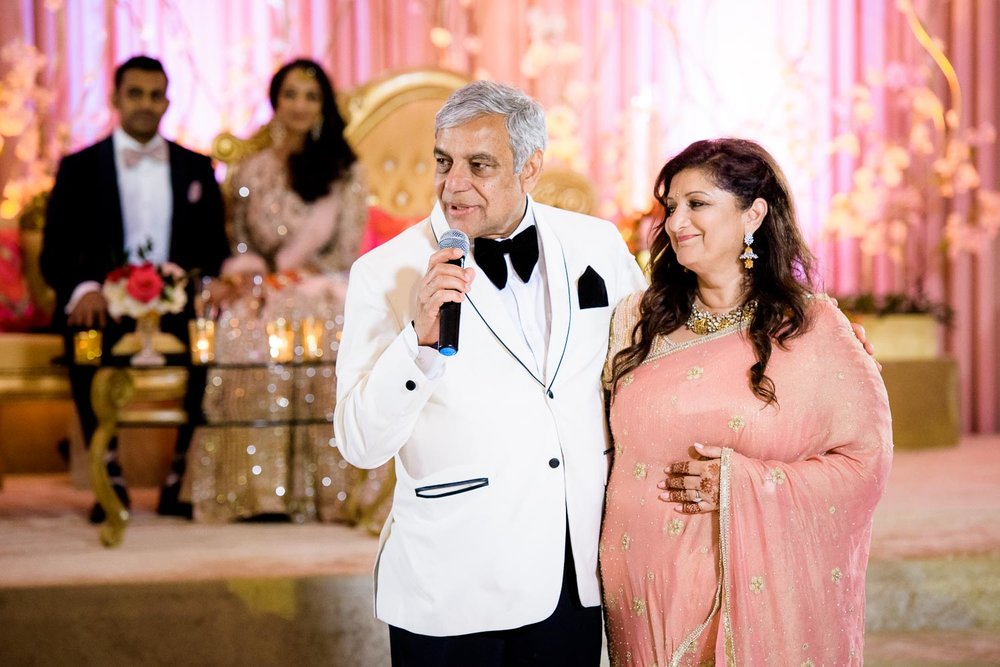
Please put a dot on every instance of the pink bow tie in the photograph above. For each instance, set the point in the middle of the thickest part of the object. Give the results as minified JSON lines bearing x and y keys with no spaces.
{"x":132,"y":156}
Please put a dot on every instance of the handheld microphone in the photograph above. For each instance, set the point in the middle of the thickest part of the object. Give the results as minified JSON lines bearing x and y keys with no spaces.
{"x":451,"y":311}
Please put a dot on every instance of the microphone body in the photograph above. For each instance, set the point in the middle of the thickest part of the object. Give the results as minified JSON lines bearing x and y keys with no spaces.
{"x":451,"y":312}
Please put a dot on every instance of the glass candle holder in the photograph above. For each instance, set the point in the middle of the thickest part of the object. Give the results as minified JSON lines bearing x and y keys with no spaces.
{"x":201,"y":331}
{"x":312,"y":338}
{"x":281,"y":340}
{"x":87,"y":348}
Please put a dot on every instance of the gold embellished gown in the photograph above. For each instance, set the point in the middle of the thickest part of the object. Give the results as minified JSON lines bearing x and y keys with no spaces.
{"x":268,"y":447}
{"x":777,"y":575}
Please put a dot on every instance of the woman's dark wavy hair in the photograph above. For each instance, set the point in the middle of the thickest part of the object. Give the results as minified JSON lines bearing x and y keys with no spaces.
{"x":321,"y":161}
{"x":780,"y":280}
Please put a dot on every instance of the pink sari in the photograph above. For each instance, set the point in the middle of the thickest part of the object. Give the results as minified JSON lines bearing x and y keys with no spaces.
{"x":777,"y":576}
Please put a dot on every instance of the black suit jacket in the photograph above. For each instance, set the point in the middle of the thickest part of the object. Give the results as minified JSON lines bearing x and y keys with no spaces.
{"x":84,"y":235}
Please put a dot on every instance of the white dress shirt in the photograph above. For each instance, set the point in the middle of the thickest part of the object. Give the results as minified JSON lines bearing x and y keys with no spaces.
{"x":146,"y":199}
{"x":147,"y":206}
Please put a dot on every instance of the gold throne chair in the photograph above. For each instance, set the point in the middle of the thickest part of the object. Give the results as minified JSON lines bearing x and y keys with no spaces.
{"x":389,"y":122}
{"x":390,"y":125}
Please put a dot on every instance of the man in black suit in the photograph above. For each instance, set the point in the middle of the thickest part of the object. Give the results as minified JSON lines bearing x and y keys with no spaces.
{"x":129,"y":191}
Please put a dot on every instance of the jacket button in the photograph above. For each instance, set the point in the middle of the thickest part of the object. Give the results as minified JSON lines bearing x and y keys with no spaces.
{"x":553,"y":463}
{"x":410,"y":385}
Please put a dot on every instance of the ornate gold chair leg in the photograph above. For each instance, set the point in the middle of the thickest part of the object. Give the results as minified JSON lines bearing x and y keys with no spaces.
{"x":111,"y":389}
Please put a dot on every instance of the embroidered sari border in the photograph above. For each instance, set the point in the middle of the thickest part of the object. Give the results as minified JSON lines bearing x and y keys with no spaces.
{"x":725,"y":522}
{"x":664,"y":347}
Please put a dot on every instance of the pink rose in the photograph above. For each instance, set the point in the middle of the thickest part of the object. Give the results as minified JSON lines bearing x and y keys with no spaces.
{"x":144,"y":284}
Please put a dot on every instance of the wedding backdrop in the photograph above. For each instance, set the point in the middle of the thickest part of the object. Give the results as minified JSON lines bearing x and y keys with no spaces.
{"x":882,"y":112}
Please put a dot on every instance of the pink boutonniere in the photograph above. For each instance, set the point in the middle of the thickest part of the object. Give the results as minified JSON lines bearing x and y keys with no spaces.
{"x":194,"y":192}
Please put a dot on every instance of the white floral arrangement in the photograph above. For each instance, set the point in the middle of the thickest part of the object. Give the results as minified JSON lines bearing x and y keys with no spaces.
{"x":135,"y":290}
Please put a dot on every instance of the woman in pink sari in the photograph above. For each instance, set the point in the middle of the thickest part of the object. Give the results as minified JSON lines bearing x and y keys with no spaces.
{"x":770,"y":421}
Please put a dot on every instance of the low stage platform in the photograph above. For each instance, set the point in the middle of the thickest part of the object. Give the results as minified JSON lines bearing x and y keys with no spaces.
{"x":178,"y":593}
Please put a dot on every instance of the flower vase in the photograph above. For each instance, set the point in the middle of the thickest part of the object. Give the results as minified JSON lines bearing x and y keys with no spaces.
{"x":146,"y":327}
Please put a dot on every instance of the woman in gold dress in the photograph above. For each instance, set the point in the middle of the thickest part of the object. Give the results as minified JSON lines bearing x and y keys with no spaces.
{"x":297,"y":219}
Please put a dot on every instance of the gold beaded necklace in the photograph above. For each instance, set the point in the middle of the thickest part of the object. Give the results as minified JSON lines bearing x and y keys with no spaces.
{"x":703,"y":322}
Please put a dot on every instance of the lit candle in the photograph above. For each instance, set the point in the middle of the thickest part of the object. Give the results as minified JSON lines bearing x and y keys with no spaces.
{"x":202,"y":334}
{"x":281,"y":340}
{"x":87,"y":347}
{"x":312,"y":338}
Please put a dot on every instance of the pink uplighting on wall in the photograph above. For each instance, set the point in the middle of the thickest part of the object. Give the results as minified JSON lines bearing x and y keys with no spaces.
{"x":626,"y":84}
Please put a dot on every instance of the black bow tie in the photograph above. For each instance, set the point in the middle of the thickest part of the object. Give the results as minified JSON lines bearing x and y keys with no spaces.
{"x":523,"y":250}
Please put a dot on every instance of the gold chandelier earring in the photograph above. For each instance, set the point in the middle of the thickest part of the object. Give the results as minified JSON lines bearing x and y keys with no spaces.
{"x":748,"y":255}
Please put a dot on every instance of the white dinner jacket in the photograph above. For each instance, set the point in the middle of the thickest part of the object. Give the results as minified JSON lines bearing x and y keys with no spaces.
{"x":489,"y":459}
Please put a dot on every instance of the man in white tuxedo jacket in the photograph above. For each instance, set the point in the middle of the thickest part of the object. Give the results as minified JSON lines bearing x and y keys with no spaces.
{"x":489,"y":556}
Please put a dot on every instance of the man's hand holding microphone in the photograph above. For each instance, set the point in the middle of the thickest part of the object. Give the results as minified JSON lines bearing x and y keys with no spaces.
{"x":441,"y":293}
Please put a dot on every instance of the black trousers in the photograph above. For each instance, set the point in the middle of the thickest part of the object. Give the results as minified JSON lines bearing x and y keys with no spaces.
{"x":81,"y":379}
{"x":570,"y":637}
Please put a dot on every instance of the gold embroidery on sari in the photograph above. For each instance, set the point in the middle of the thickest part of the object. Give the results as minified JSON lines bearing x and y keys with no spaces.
{"x":725,"y":520}
{"x":662,"y":345}
{"x":639,"y":607}
{"x":722,"y":594}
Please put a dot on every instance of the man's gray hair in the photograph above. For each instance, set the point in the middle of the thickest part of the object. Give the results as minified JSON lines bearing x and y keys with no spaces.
{"x":523,"y":116}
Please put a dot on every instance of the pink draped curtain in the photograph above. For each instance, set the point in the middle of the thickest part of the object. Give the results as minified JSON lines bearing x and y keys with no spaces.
{"x":626,"y":85}
{"x":871,"y":36}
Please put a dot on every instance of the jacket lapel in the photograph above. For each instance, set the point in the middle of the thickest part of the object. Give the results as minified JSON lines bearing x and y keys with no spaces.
{"x":111,"y":201}
{"x":485,"y":304}
{"x":557,"y":277}
{"x":177,"y":178}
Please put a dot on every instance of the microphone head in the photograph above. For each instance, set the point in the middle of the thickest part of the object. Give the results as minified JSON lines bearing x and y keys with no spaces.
{"x":455,"y":238}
